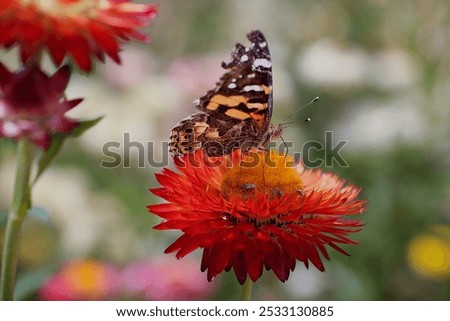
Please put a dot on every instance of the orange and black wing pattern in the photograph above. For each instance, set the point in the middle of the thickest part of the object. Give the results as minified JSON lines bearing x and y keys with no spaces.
{"x":237,"y":112}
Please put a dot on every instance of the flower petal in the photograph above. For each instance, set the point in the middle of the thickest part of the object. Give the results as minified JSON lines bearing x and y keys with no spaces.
{"x":87,"y":29}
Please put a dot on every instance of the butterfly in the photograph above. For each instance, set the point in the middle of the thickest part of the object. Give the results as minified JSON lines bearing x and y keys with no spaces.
{"x":237,"y":112}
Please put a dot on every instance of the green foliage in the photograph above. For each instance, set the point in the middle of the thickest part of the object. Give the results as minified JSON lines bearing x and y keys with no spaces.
{"x":58,"y":140}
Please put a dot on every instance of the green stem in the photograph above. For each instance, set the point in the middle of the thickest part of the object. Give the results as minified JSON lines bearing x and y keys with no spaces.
{"x":246,"y":293}
{"x":19,"y":208}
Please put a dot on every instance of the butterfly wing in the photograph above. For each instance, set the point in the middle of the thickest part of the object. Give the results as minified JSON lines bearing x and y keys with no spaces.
{"x":216,"y":137}
{"x":237,"y":112}
{"x":244,"y":92}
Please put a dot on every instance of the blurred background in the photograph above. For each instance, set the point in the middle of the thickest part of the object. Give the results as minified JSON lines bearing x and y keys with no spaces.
{"x":382,"y":71}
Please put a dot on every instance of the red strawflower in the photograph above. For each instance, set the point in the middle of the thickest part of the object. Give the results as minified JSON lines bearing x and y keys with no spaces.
{"x":32,"y":104}
{"x":253,"y":215}
{"x":80,"y":28}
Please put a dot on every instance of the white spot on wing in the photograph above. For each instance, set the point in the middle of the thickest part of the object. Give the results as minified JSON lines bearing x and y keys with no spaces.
{"x":263,"y":44}
{"x":232,"y":85}
{"x":253,"y":88}
{"x":251,"y":76}
{"x":244,"y":58}
{"x":262,"y":62}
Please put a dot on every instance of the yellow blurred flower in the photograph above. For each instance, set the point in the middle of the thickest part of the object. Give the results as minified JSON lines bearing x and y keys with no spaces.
{"x":429,"y":255}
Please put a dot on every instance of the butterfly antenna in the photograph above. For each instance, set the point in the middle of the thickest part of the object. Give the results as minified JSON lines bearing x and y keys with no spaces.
{"x":287,"y":148}
{"x":304,"y":106}
{"x":284,"y":143}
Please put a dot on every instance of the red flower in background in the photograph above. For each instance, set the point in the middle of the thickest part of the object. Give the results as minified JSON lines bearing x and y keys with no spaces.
{"x":249,"y":217}
{"x":32,"y":104}
{"x":80,"y":28}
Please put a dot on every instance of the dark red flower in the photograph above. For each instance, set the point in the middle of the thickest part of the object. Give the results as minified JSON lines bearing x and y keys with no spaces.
{"x":81,"y":28}
{"x":255,"y":214}
{"x":32,"y":104}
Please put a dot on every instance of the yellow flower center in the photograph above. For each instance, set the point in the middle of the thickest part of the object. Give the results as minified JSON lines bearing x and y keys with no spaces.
{"x":267,"y":173}
{"x":87,"y":277}
{"x":86,"y":8}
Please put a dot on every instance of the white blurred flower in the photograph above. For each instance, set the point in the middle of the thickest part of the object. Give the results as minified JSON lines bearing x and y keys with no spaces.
{"x":306,"y":284}
{"x":326,"y":63}
{"x":381,"y":125}
{"x":393,"y":69}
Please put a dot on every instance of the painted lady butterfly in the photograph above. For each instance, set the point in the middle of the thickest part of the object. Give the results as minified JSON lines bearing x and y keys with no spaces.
{"x":237,"y":112}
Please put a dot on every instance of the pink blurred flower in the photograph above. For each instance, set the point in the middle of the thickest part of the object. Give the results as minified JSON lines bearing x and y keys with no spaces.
{"x":32,"y":104}
{"x":194,"y":75}
{"x":136,"y":65}
{"x":165,"y":280}
{"x":82,"y":280}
